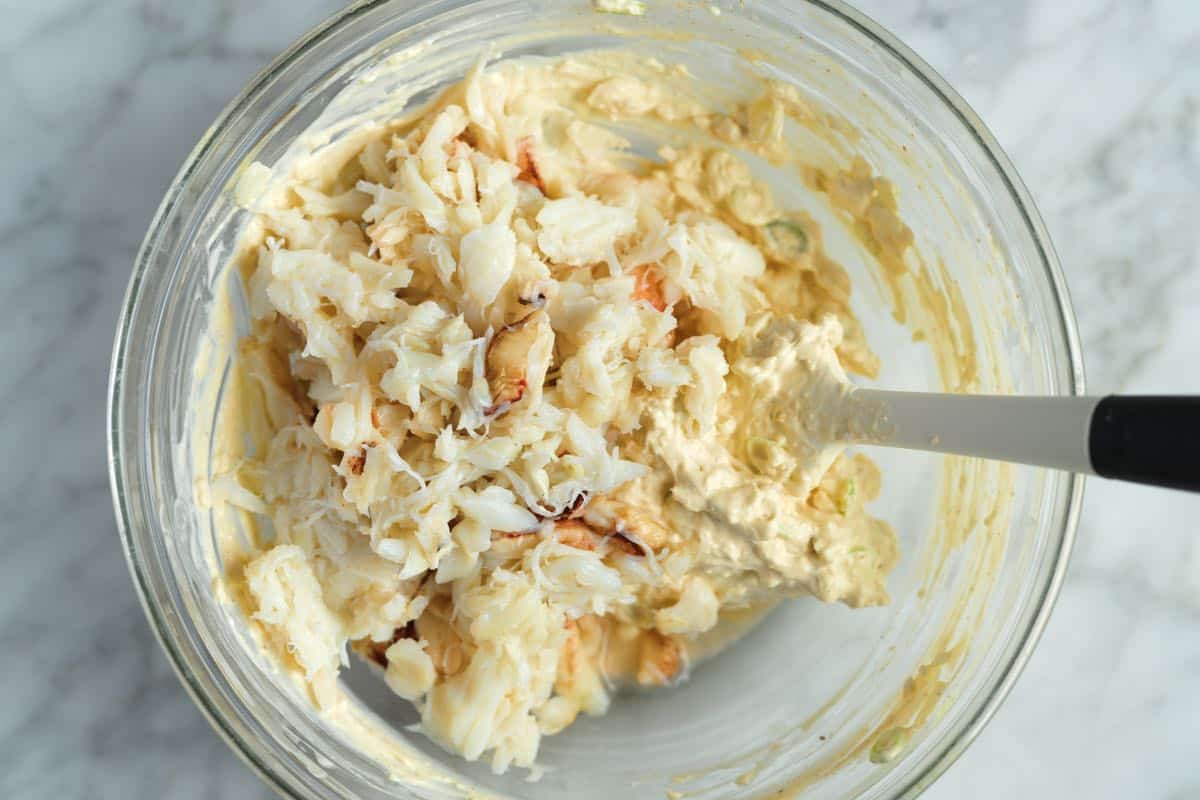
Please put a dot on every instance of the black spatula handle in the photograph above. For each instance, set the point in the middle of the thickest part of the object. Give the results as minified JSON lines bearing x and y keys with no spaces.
{"x":1147,"y":439}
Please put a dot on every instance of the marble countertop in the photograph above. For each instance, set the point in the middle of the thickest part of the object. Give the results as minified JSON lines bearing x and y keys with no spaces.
{"x":1097,"y":102}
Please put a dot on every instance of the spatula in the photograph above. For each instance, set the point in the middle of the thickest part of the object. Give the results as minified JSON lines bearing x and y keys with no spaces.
{"x":1144,"y":439}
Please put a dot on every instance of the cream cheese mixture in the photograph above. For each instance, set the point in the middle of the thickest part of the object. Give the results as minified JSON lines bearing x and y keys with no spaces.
{"x":531,"y":416}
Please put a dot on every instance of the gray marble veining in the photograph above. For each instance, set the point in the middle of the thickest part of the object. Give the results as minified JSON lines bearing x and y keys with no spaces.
{"x":1098,"y":103}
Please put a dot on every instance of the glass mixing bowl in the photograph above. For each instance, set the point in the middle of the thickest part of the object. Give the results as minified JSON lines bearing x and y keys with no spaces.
{"x":800,"y":704}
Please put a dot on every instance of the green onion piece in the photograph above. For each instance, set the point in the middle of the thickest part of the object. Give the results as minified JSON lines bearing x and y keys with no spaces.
{"x":787,"y":238}
{"x":843,"y":503}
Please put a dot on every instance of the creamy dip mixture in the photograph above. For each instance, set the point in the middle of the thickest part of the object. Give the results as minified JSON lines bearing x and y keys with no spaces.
{"x":524,"y":416}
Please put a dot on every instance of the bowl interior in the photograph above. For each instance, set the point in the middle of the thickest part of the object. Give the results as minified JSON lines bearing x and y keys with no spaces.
{"x":799,"y":703}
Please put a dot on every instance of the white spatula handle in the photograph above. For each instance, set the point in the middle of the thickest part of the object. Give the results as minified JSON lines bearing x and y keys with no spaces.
{"x":1153,"y":440}
{"x":1046,"y":431}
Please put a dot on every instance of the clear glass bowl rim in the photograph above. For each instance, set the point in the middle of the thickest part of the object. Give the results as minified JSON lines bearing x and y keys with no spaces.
{"x":118,"y":389}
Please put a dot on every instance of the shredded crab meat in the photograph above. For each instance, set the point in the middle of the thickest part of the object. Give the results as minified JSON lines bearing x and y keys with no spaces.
{"x":494,"y":384}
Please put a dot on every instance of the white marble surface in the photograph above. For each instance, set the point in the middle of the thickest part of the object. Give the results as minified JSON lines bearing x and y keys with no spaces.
{"x":1098,"y":103}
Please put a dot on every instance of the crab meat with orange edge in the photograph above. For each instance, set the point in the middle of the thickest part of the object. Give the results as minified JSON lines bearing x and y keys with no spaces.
{"x":517,"y":360}
{"x":627,"y":521}
{"x":578,"y":534}
{"x":648,"y":286}
{"x":573,"y":533}
{"x":661,"y":659}
{"x":442,"y":641}
{"x":527,"y":164}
